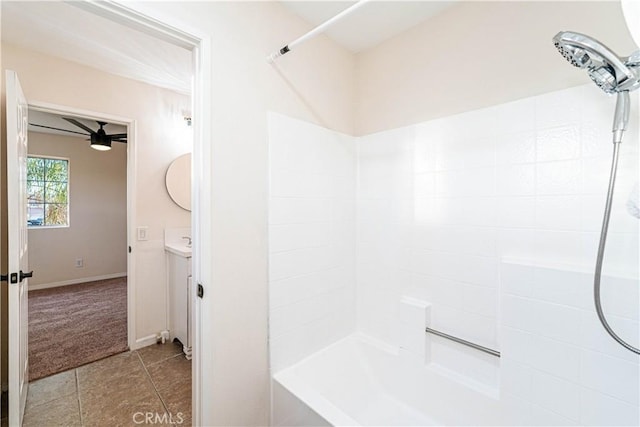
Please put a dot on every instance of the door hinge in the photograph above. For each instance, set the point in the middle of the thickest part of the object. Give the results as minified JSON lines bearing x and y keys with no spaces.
{"x":129,"y":249}
{"x":200,"y":291}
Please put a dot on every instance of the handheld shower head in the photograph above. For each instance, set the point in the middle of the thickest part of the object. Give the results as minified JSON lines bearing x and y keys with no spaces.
{"x":607,"y":70}
{"x":612,"y":74}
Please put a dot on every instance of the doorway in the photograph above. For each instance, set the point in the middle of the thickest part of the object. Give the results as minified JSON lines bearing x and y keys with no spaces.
{"x":77,"y":180}
{"x":201,"y":198}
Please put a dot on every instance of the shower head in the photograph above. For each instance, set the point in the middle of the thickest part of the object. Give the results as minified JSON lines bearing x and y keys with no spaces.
{"x":607,"y":70}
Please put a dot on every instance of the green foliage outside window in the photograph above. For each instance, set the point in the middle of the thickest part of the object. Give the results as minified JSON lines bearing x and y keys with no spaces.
{"x":47,"y":192}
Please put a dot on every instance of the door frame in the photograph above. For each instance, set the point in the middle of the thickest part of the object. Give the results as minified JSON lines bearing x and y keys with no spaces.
{"x":62,"y":110}
{"x":172,"y":30}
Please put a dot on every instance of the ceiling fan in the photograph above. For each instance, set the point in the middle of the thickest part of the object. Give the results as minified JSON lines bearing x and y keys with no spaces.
{"x":100,"y":140}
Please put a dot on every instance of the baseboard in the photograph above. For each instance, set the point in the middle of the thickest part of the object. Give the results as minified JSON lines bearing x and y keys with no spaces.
{"x":75,"y":281}
{"x":144,"y":342}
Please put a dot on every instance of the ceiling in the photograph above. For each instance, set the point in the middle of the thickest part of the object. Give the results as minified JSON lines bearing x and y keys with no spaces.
{"x":371,"y":24}
{"x":66,"y":31}
{"x":63,"y":30}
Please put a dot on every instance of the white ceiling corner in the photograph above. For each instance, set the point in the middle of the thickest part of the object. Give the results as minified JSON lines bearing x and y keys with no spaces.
{"x":371,"y":24}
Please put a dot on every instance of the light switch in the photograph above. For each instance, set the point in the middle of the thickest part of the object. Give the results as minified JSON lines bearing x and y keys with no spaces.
{"x":143,"y":233}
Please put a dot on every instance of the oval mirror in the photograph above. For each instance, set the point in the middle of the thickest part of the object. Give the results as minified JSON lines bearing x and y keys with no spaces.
{"x":178,"y":181}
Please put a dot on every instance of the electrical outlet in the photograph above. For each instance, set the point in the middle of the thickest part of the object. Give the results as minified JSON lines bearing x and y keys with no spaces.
{"x":143,"y":233}
{"x":79,"y":263}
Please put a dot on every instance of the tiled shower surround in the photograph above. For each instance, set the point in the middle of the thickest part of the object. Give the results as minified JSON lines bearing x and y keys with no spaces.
{"x":491,"y":216}
{"x":311,"y":238}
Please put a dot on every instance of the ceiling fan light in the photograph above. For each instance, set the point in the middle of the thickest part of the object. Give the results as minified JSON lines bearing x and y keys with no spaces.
{"x":100,"y":142}
{"x":101,"y":147}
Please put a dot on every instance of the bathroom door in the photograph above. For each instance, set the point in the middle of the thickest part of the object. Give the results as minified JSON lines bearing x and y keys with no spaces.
{"x":17,"y":124}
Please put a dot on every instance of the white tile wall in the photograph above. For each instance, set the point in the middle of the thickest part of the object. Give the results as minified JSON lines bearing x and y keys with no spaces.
{"x":311,"y":238}
{"x":385,"y":213}
{"x":598,"y":409}
{"x":525,"y":181}
{"x":492,"y":217}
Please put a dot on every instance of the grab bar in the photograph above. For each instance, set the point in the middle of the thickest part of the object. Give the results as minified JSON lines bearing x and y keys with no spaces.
{"x":463,"y":342}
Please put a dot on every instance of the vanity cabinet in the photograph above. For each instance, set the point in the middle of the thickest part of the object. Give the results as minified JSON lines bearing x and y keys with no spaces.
{"x":180,"y":300}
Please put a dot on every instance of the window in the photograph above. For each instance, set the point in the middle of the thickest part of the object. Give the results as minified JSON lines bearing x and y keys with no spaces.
{"x":47,"y":192}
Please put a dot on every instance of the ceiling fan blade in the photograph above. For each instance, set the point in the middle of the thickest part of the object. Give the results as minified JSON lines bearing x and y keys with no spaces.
{"x":117,"y":135}
{"x":123,"y":140}
{"x":80,"y":125}
{"x":62,"y":130}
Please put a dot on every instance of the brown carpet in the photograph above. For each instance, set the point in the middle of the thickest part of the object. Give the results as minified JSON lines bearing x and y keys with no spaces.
{"x":72,"y":325}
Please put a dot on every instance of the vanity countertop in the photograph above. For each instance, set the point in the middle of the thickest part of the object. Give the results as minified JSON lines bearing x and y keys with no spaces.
{"x":178,"y":248}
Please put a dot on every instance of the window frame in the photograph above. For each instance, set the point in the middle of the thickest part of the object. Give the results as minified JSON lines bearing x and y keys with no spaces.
{"x":48,"y":157}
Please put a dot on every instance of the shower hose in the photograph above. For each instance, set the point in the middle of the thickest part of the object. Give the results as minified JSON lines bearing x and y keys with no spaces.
{"x":601,"y":245}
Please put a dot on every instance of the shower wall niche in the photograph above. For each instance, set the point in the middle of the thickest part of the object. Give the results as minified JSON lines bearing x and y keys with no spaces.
{"x":492,"y":216}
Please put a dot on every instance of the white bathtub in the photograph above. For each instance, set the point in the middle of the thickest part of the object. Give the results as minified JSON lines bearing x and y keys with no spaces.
{"x":358,"y":381}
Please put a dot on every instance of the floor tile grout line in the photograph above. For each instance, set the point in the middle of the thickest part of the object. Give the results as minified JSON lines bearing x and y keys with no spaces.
{"x":161,"y":360}
{"x":153,"y":384}
{"x":153,"y":364}
{"x":31,"y":406}
{"x":78,"y":396}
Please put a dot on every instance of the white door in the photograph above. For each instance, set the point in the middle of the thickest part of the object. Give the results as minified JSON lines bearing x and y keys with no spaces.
{"x":17,"y":123}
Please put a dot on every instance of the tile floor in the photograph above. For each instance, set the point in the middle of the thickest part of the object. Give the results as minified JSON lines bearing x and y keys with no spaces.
{"x":121,"y":390}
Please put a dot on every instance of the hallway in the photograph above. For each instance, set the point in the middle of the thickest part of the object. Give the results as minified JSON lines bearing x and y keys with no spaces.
{"x":147,"y":386}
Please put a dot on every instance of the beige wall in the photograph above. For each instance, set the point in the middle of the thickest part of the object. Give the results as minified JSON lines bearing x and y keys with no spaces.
{"x":315,"y":84}
{"x":160,"y":138}
{"x":97,"y":229}
{"x":474,"y":55}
